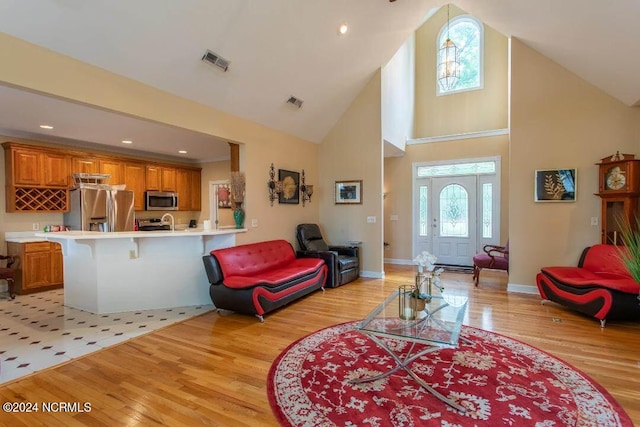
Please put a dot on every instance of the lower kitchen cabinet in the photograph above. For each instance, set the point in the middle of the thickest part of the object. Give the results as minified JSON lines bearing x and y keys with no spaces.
{"x":38,"y":266}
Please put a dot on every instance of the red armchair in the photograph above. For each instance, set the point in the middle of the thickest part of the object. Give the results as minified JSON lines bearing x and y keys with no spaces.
{"x":493,"y":258}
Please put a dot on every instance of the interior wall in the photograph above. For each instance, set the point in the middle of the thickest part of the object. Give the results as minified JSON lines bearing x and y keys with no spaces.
{"x":485,"y":109}
{"x":73,"y":80}
{"x":463,"y":112}
{"x":558,"y":120}
{"x":398,"y":93}
{"x":398,"y":186}
{"x":352,"y":150}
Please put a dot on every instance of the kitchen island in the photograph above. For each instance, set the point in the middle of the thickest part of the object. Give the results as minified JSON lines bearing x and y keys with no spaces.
{"x":137,"y":270}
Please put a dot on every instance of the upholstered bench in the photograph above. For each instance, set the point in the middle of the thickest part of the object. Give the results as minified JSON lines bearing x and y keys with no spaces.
{"x":260,"y":277}
{"x":600,"y":286}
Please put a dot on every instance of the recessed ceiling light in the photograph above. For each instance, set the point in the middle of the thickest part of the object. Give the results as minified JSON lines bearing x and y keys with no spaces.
{"x":46,"y":127}
{"x":127,"y":141}
{"x":182,"y":151}
{"x":343,"y":28}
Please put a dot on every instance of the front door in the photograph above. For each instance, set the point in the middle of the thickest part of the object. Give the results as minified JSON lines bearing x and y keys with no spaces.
{"x":453,"y":219}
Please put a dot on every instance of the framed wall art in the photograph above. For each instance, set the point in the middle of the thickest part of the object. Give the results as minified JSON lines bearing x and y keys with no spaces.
{"x":555,"y":185}
{"x":290,"y":187}
{"x":348,"y":192}
{"x":224,"y":202}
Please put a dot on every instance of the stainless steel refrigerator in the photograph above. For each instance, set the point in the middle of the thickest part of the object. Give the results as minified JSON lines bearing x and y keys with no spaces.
{"x":99,"y":208}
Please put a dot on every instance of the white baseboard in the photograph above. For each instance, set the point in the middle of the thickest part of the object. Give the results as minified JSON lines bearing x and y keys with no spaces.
{"x":372,"y":274}
{"x":523,"y":289}
{"x":398,"y":261}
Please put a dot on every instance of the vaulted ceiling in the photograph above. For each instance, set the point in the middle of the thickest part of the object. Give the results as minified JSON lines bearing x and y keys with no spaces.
{"x":280,"y":48}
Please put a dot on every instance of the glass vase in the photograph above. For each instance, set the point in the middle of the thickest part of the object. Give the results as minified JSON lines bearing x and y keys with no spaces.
{"x":238,"y":215}
{"x":424,"y":282}
{"x":406,"y":302}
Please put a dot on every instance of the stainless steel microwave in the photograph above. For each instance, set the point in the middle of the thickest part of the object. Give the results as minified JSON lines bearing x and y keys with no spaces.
{"x":161,"y":201}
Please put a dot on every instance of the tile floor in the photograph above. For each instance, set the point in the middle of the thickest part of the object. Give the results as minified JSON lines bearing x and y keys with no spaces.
{"x":37,"y":331}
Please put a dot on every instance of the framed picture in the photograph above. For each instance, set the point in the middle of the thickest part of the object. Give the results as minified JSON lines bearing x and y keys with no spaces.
{"x":555,"y":185}
{"x":290,"y":187}
{"x":348,"y":192}
{"x":224,"y":202}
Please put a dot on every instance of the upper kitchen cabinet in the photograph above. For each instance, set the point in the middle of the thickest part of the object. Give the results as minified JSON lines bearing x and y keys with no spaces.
{"x":90,"y":165}
{"x":134,"y":179}
{"x":32,"y":167}
{"x":160,"y":178}
{"x":37,"y":178}
{"x":115,"y":170}
{"x":188,"y":188}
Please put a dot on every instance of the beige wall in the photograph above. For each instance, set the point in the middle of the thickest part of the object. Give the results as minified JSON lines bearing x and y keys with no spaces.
{"x":398,"y":185}
{"x":558,"y":121}
{"x":472,"y":111}
{"x":73,"y":80}
{"x":463,"y":112}
{"x":352,"y":151}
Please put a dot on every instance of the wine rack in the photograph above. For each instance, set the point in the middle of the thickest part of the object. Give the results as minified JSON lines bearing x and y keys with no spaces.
{"x":40,"y":199}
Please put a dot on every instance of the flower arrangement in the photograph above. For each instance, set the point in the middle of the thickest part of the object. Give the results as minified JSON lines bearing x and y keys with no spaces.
{"x":237,"y":186}
{"x":427,"y":274}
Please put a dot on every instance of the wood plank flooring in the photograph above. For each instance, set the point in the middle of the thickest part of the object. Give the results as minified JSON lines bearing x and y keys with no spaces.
{"x":212,"y":370}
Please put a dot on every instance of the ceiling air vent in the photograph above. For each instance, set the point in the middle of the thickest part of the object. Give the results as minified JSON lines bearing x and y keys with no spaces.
{"x":217,"y":60}
{"x":295,"y":101}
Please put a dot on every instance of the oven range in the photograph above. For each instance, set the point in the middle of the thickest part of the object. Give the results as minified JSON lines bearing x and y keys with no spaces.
{"x":153,"y":224}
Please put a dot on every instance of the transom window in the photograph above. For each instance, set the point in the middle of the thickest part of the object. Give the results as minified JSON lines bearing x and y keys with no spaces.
{"x":468,"y":35}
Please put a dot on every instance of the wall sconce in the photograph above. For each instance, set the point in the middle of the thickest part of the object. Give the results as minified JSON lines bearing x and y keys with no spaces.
{"x":305,"y":190}
{"x":275,"y":187}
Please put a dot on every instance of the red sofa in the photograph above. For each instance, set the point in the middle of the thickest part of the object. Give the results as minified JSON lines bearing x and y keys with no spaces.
{"x":260,"y":277}
{"x":600,"y":286}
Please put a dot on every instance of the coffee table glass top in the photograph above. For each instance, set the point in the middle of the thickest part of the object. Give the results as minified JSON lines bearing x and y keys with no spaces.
{"x":438,"y":324}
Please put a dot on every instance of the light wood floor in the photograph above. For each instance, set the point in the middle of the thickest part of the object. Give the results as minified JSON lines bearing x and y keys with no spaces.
{"x":211,"y":370}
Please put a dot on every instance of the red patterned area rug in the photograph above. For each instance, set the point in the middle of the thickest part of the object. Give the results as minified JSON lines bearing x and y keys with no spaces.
{"x":498,"y":380}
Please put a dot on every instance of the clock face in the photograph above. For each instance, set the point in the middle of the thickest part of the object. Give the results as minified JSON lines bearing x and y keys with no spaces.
{"x":615,"y":179}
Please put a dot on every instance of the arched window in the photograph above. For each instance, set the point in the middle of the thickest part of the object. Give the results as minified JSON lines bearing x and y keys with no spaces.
{"x":467,"y":33}
{"x":454,"y":211}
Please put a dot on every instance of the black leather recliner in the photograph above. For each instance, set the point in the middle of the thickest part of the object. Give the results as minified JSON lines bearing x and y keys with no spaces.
{"x":343,"y":262}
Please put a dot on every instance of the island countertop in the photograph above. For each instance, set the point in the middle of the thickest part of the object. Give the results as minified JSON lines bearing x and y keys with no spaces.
{"x":92,"y":235}
{"x":111,"y":272}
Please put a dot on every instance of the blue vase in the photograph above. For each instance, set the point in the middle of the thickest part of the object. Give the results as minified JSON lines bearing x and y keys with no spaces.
{"x":238,"y":216}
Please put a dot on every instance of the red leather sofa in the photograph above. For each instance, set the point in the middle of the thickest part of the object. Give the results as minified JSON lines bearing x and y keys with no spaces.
{"x":260,"y":277}
{"x":600,"y":286}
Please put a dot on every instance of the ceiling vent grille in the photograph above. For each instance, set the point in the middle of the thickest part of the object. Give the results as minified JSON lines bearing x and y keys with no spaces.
{"x":217,"y":60}
{"x":295,"y":101}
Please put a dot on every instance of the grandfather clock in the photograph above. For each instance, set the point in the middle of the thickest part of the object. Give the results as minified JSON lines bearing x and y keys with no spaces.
{"x":619,"y":190}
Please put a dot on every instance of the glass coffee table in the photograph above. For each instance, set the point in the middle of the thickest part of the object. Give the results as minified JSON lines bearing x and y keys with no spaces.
{"x":437,"y":326}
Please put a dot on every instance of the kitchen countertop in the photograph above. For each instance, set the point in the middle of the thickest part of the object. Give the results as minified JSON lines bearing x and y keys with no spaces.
{"x":97,"y":235}
{"x":22,"y":237}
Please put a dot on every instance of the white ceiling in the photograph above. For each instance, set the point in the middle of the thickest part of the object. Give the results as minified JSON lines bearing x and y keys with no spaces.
{"x":280,"y":48}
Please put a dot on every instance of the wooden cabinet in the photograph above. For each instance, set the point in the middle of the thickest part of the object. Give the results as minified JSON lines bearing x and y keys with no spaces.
{"x":39,"y":266}
{"x":55,"y":168}
{"x":27,"y":169}
{"x":134,"y":179}
{"x":160,"y":178}
{"x":188,"y":188}
{"x":168,"y":179}
{"x":85,"y":165}
{"x":38,"y":169}
{"x":38,"y":178}
{"x":115,"y":169}
{"x":196,"y":188}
